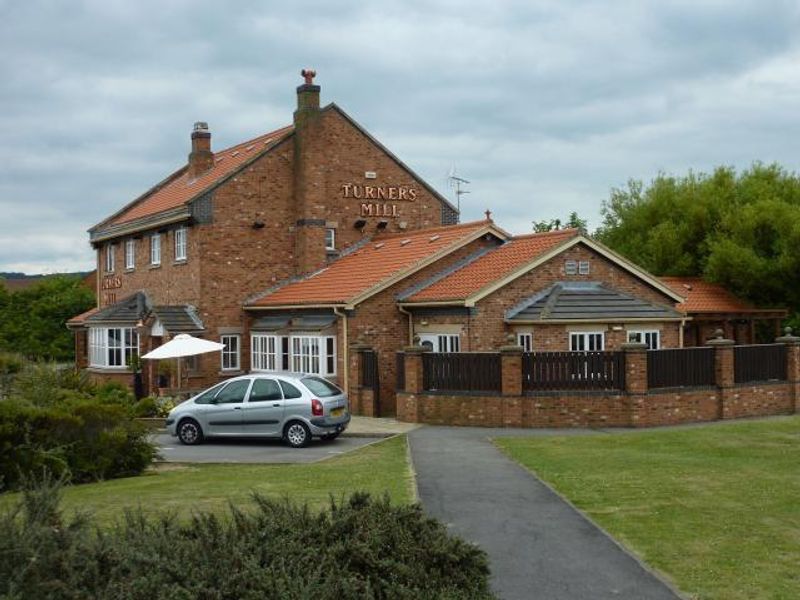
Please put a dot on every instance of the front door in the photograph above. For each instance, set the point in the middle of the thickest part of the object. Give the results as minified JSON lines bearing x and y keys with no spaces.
{"x":224,"y":414}
{"x":263,"y":411}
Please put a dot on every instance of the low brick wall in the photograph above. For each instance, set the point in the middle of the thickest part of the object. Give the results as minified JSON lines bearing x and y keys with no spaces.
{"x":594,"y":410}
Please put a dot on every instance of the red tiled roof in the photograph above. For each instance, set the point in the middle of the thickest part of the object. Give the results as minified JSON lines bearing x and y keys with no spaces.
{"x":704,"y":297}
{"x":180,"y":189}
{"x":375,"y":262}
{"x":492,"y":266}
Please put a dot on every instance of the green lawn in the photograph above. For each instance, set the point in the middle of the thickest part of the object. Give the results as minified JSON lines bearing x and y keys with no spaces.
{"x":716,"y":508}
{"x":378,"y":468}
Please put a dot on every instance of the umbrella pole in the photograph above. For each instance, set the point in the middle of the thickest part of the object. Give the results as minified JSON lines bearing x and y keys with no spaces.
{"x":179,"y":375}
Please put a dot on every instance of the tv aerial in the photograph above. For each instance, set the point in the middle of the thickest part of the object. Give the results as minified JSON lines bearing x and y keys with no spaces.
{"x":457,"y":183}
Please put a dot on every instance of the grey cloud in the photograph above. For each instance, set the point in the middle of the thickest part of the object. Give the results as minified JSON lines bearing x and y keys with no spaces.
{"x":543,"y":105}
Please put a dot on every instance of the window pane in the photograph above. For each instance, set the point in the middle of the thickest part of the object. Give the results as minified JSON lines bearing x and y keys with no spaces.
{"x":264,"y":390}
{"x":207,"y":396}
{"x":290,"y":391}
{"x":321,"y":387}
{"x":233,"y":393}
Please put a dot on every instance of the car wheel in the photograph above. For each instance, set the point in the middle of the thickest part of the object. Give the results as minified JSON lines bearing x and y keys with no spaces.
{"x":297,"y":434}
{"x":329,"y":437}
{"x":189,"y":432}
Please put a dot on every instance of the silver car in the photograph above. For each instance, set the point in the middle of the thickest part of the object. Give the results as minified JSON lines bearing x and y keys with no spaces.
{"x":292,"y":406}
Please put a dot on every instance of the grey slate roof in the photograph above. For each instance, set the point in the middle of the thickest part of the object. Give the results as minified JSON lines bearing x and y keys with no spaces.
{"x":181,"y":318}
{"x":566,"y":301}
{"x":127,"y":311}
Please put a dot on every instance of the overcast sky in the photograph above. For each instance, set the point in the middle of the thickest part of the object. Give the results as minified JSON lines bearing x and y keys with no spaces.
{"x":543,"y":106}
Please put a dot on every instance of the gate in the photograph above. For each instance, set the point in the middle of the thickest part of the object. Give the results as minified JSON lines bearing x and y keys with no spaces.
{"x":370,"y":376}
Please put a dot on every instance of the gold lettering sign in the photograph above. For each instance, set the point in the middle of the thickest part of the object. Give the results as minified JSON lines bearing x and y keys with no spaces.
{"x":111,"y":283}
{"x":366,"y":193}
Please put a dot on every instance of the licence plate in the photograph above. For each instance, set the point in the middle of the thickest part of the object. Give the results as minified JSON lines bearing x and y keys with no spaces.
{"x":337,"y":412}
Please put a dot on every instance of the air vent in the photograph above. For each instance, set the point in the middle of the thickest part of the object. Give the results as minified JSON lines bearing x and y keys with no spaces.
{"x":234,"y":153}
{"x":404,"y":242}
{"x":378,"y":246}
{"x":434,"y":237}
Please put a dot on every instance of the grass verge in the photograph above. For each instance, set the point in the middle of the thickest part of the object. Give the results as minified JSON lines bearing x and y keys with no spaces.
{"x":378,"y":468}
{"x":717,"y":508}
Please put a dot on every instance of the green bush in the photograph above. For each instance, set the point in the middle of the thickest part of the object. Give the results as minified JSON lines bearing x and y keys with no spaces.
{"x":361,"y":548}
{"x":146,"y":407}
{"x":82,"y":440}
{"x":44,"y":383}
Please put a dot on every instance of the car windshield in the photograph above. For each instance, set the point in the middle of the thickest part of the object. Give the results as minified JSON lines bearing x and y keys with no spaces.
{"x":321,"y":387}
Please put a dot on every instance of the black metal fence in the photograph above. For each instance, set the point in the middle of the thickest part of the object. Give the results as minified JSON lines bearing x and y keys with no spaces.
{"x":680,"y":367}
{"x":369,"y":369}
{"x":763,"y":362}
{"x":573,"y":371}
{"x":462,"y":372}
{"x":400,"y":362}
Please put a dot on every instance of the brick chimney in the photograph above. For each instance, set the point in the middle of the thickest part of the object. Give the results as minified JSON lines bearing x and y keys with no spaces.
{"x":201,"y":159}
{"x":309,"y":156}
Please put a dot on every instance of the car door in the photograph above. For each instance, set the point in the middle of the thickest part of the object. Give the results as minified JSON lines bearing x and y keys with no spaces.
{"x":263,"y":411}
{"x":224,"y":414}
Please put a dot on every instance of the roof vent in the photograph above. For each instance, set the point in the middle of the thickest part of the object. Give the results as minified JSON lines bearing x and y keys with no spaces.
{"x":404,"y":242}
{"x":378,"y":246}
{"x":234,"y":153}
{"x":434,"y":238}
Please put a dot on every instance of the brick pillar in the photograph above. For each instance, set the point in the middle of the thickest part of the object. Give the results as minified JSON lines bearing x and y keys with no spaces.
{"x":408,"y":400}
{"x":723,"y":373}
{"x":511,"y":385}
{"x":636,"y":381}
{"x":792,"y":365}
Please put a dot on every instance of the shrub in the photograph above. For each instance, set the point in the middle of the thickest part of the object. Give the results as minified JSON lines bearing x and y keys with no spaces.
{"x":46,"y":384}
{"x":146,"y":407}
{"x":10,"y":366}
{"x":360,"y":548}
{"x":82,"y":440}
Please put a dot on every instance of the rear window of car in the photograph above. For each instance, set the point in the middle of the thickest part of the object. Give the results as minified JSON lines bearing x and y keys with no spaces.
{"x":321,"y":387}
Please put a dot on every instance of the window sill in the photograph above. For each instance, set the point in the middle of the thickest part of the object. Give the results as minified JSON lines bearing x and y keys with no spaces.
{"x":119,"y":370}
{"x":129,"y":270}
{"x":151,"y":267}
{"x":182,"y":261}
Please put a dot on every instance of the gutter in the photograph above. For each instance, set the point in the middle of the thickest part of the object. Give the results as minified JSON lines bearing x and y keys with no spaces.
{"x":410,"y":324}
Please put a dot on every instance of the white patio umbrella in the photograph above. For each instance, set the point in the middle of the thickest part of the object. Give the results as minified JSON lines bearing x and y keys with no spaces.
{"x":182,"y":345}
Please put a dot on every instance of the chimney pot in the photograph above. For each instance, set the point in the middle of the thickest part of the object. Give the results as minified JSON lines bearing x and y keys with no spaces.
{"x":201,"y":159}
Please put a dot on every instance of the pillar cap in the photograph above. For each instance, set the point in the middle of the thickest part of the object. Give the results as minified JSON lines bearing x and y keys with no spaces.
{"x":360,"y":346}
{"x":633,"y":346}
{"x":511,"y":349}
{"x":787,"y":337}
{"x":415,"y":349}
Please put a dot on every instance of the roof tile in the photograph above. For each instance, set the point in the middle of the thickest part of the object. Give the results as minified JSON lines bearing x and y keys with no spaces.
{"x":492,"y":266}
{"x":178,"y":190}
{"x":369,"y":265}
{"x":704,"y":297}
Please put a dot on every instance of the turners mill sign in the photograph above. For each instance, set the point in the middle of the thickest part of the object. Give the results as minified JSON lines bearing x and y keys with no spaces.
{"x":403,"y":193}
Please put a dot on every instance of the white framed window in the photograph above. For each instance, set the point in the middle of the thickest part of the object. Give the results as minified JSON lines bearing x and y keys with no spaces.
{"x":110,"y":259}
{"x":303,"y":352}
{"x":651,"y":337}
{"x":441,"y":342}
{"x":526,"y":341}
{"x":231,"y":352}
{"x":571,"y":267}
{"x":330,"y":239}
{"x":586,"y":341}
{"x":130,"y":254}
{"x":112,"y":346}
{"x":180,"y":243}
{"x":583,"y":267}
{"x":155,"y":249}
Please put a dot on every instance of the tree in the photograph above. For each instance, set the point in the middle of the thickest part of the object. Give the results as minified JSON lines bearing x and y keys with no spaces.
{"x":33,"y":320}
{"x":739,"y":230}
{"x":572,"y":222}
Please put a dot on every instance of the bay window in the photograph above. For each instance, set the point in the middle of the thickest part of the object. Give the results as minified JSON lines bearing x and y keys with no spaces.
{"x":112,"y":347}
{"x":305,"y":353}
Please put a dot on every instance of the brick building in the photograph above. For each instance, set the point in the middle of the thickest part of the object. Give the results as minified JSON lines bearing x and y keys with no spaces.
{"x":299,"y":245}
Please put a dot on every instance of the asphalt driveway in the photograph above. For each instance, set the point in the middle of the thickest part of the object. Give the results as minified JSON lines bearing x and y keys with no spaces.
{"x":262,"y":451}
{"x":538,"y":545}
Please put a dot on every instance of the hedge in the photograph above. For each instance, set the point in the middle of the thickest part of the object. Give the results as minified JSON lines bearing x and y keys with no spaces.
{"x":83,"y":440}
{"x":359,"y":548}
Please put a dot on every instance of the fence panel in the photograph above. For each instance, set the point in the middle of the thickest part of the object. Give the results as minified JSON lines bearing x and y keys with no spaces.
{"x":400,"y":362}
{"x":573,"y":371}
{"x":762,"y":362}
{"x":461,"y":371}
{"x":680,"y":367}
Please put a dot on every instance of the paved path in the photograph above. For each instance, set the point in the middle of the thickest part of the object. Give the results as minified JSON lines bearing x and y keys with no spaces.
{"x":538,"y":545}
{"x":217,"y":450}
